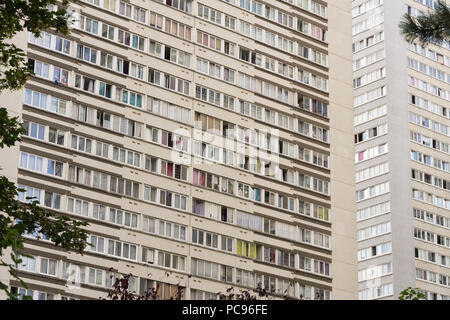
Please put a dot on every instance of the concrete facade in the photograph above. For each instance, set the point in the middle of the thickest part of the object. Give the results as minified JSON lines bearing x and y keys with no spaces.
{"x":387,"y":121}
{"x":207,"y":143}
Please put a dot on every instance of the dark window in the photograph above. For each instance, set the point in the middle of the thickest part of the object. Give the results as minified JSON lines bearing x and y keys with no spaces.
{"x":126,"y":66}
{"x":31,"y":64}
{"x":253,"y":58}
{"x":244,"y":54}
{"x":167,"y":53}
{"x":151,"y":75}
{"x":99,"y":118}
{"x":170,"y":140}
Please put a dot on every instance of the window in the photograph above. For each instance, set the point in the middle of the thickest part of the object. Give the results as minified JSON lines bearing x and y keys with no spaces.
{"x":98,"y":211}
{"x":122,"y":249}
{"x":212,"y":181}
{"x":275,"y":256}
{"x":371,"y":152}
{"x":168,"y":81}
{"x":40,"y":68}
{"x":370,"y":115}
{"x":246,"y":249}
{"x":173,"y":140}
{"x":177,"y":56}
{"x":130,"y":40}
{"x":89,"y":25}
{"x":123,"y":218}
{"x":44,"y":39}
{"x":27,"y":264}
{"x":169,"y":26}
{"x":168,"y":110}
{"x":373,"y":231}
{"x":183,"y":5}
{"x":42,"y":165}
{"x":77,"y":206}
{"x":102,"y":149}
{"x":81,"y":143}
{"x":155,"y":48}
{"x":249,"y":221}
{"x":213,"y":211}
{"x":139,"y":14}
{"x":106,"y":60}
{"x":373,"y":251}
{"x":203,"y":295}
{"x":148,"y":255}
{"x":132,"y":98}
{"x":30,"y":294}
{"x":60,"y":76}
{"x":205,"y":238}
{"x":211,"y":270}
{"x":172,"y":261}
{"x":87,"y":54}
{"x":125,"y":9}
{"x":84,"y":83}
{"x":368,"y":59}
{"x":36,"y":99}
{"x":30,"y":194}
{"x":123,"y":155}
{"x":215,"y":43}
{"x":164,"y":228}
{"x":176,"y":171}
{"x":34,"y":130}
{"x":47,"y":266}
{"x":124,"y":187}
{"x":56,"y":136}
{"x":371,"y":133}
{"x":214,"y":97}
{"x":374,"y":210}
{"x":315,"y":266}
{"x":98,"y":244}
{"x":108,"y":31}
{"x":79,"y":175}
{"x":62,"y":45}
{"x":52,"y":200}
{"x":372,"y":191}
{"x":100,"y":180}
{"x":165,"y":197}
{"x":95,"y":276}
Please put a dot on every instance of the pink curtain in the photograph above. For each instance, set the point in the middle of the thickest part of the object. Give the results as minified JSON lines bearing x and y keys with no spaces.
{"x":195,"y":176}
{"x":202,"y":179}
{"x":170,"y":169}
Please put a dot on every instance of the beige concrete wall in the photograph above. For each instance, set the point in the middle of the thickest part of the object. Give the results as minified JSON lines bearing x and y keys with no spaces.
{"x":342,"y":151}
{"x":11,"y":100}
{"x":341,"y":256}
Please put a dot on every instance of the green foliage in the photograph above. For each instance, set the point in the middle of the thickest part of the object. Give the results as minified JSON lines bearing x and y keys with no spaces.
{"x":10,"y":129}
{"x":411,"y":294}
{"x":20,"y":217}
{"x":17,"y":16}
{"x":13,"y":72}
{"x":433,"y":26}
{"x":17,"y":218}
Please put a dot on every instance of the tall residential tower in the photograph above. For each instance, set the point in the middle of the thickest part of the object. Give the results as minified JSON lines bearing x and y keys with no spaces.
{"x":402,"y":154}
{"x":207,"y":143}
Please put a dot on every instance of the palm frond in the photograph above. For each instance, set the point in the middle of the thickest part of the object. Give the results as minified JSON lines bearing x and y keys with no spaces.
{"x":433,"y":26}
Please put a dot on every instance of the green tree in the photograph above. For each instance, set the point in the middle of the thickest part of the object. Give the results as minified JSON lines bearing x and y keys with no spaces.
{"x":433,"y":26}
{"x":411,"y":294}
{"x":17,"y":218}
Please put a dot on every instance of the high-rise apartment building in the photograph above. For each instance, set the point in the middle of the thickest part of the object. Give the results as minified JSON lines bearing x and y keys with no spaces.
{"x":207,"y":143}
{"x":402,"y":154}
